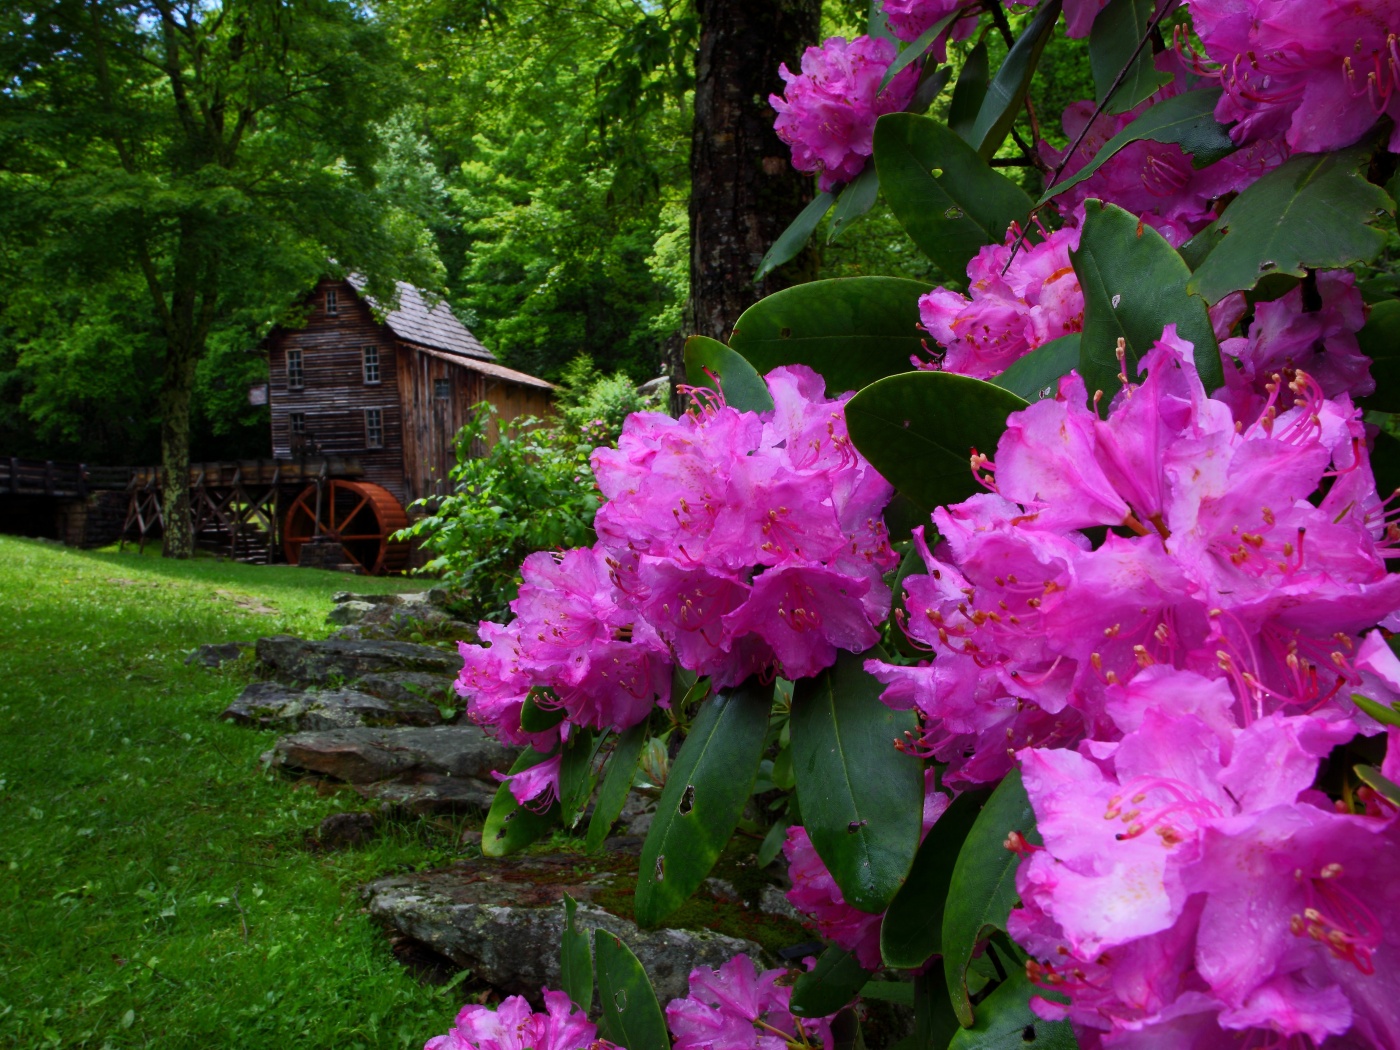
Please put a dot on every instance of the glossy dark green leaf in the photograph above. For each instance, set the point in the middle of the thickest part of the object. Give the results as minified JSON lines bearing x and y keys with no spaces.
{"x":1005,"y":1021}
{"x":509,"y":826}
{"x":704,"y":797}
{"x":969,"y":91}
{"x":1385,"y":463}
{"x":852,"y":330}
{"x":537,"y":719}
{"x":792,"y":240}
{"x":912,"y":930}
{"x":912,"y":564}
{"x":846,"y":1031}
{"x":612,"y":796}
{"x":1036,"y":376}
{"x":901,"y":992}
{"x":935,"y":1024}
{"x":575,"y":960}
{"x":577,"y":775}
{"x":947,"y":198}
{"x":1382,"y":713}
{"x":856,"y":199}
{"x":919,"y":430}
{"x":1187,"y":120}
{"x":982,"y":891}
{"x":1134,"y":284}
{"x":935,"y":78}
{"x":861,"y":799}
{"x":1379,"y":340}
{"x":1313,"y":211}
{"x":915,"y":50}
{"x":1379,"y":783}
{"x":708,"y":363}
{"x":1116,"y":42}
{"x":1007,"y":91}
{"x":631,"y":1017}
{"x":831,"y":984}
{"x":772,"y":843}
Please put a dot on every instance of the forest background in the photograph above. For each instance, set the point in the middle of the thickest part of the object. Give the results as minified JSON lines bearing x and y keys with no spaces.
{"x":528,"y":160}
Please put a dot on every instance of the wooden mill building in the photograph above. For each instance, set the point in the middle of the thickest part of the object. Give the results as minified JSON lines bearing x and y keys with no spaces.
{"x":391,"y":393}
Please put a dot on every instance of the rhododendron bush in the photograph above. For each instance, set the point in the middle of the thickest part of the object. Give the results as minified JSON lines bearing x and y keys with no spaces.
{"x":1043,"y":621}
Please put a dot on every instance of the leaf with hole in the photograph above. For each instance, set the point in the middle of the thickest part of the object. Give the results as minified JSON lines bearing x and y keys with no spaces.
{"x":1007,"y":91}
{"x":631,"y":1017}
{"x":575,"y":960}
{"x":1037,"y":375}
{"x":1315,"y":211}
{"x":1187,"y":120}
{"x":1005,"y":1021}
{"x":982,"y":890}
{"x":861,"y":799}
{"x":851,"y":330}
{"x":612,"y":796}
{"x":706,"y":789}
{"x":919,"y":429}
{"x":1134,"y":284}
{"x":792,"y":240}
{"x":710,"y":364}
{"x":509,"y":826}
{"x":831,"y":984}
{"x":1118,"y":43}
{"x":949,"y":200}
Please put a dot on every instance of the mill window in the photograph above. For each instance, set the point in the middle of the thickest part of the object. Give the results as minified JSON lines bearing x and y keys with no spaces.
{"x":296,"y":379}
{"x":332,"y":301}
{"x":298,"y":422}
{"x":371,"y":364}
{"x":442,"y":389}
{"x":374,"y":428}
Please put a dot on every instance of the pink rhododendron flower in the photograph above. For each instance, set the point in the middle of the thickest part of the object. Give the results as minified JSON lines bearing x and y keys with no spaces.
{"x":909,"y":19}
{"x":1005,"y":315}
{"x":827,"y":112}
{"x":1219,"y":560}
{"x":514,"y":1026}
{"x":1320,"y":74}
{"x":1194,"y":890}
{"x":748,"y":542}
{"x":738,"y":1007}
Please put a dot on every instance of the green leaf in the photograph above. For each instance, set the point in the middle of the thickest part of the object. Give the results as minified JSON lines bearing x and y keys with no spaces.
{"x":861,"y":799}
{"x":856,"y":199}
{"x":772,"y":843}
{"x":1005,"y":1021}
{"x":1379,"y":340}
{"x":537,"y":719}
{"x":982,"y":891}
{"x":931,"y":84}
{"x":1187,"y":120}
{"x":1314,"y":211}
{"x":575,"y":960}
{"x":877,"y":25}
{"x":704,"y":797}
{"x":901,"y":992}
{"x":969,"y":91}
{"x":631,"y":1015}
{"x":919,"y":430}
{"x":1115,"y":40}
{"x":1379,"y":783}
{"x":1385,"y":463}
{"x":913,"y":51}
{"x":792,"y":240}
{"x":708,"y":361}
{"x":912,"y":564}
{"x":831,"y":984}
{"x":912,"y":930}
{"x":935,"y":1024}
{"x":1134,"y":284}
{"x":1007,"y":91}
{"x":509,"y":826}
{"x":576,"y":774}
{"x":612,"y":796}
{"x":1385,"y":714}
{"x":1035,"y":376}
{"x":852,"y":330}
{"x":947,"y":198}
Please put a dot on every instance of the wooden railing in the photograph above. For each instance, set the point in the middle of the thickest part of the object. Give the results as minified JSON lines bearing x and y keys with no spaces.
{"x":37,"y":477}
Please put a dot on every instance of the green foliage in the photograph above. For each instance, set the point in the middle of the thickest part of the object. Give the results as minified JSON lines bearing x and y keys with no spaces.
{"x":831,"y":984}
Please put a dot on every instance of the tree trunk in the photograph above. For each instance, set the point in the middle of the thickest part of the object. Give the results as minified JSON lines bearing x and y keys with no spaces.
{"x":176,"y":392}
{"x":743,"y":190}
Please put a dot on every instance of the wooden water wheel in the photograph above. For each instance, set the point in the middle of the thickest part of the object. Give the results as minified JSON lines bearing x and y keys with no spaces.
{"x":358,"y":515}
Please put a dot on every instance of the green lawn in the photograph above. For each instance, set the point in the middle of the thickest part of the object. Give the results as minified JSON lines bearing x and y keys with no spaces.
{"x":156,"y":888}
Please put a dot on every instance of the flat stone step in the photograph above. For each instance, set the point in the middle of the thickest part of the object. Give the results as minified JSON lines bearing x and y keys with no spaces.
{"x":338,"y":662}
{"x":366,"y":755}
{"x":408,"y":686}
{"x":271,"y":705}
{"x":431,"y":794}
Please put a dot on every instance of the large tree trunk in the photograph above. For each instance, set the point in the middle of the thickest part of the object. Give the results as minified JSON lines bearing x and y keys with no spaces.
{"x":176,"y":392}
{"x":743,"y":190}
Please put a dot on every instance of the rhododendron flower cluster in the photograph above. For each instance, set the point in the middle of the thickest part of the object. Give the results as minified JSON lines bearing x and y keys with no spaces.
{"x":738,"y":1007}
{"x":827,"y":112}
{"x":910,"y":19}
{"x":514,"y":1026}
{"x":1319,"y":74}
{"x":731,"y":543}
{"x":1009,"y":310}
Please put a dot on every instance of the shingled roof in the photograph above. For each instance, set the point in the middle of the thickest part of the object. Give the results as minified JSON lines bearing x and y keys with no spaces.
{"x":432,"y":326}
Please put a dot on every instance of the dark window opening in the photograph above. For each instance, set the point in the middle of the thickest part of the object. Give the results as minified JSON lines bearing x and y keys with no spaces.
{"x":332,"y":301}
{"x":374,"y":428}
{"x":298,"y":422}
{"x":296,"y":378}
{"x":442,"y":389}
{"x":371,"y":364}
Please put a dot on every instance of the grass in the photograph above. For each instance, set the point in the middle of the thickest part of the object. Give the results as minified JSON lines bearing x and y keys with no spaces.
{"x":156,"y":889}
